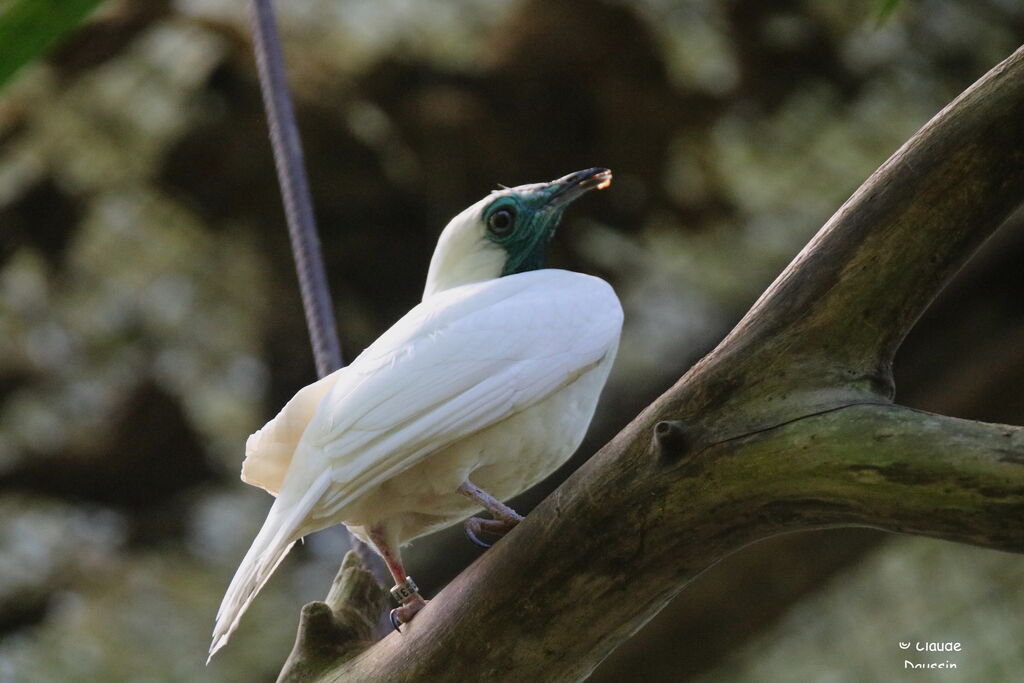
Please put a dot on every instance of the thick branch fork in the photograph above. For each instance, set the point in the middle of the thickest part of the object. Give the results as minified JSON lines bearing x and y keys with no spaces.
{"x":587,"y":570}
{"x":787,"y":425}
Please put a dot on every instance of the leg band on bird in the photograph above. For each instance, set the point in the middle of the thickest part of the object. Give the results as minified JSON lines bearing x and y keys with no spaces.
{"x":407,"y":593}
{"x":405,"y":590}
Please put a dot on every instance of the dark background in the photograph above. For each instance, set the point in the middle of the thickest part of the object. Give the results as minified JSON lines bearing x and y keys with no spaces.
{"x":149,"y":316}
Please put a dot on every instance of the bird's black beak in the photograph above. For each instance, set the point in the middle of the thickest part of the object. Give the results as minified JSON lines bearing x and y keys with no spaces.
{"x":572,"y":186}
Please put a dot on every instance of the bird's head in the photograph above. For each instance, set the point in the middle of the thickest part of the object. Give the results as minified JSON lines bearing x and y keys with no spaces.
{"x":506,"y":232}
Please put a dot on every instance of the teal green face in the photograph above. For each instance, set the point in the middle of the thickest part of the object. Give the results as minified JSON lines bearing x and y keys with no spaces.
{"x":522,"y":220}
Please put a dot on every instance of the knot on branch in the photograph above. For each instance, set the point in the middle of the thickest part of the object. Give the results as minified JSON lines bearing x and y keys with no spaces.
{"x":339,"y":628}
{"x":671,"y":440}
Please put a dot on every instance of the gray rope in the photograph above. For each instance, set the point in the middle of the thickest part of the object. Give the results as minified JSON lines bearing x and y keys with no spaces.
{"x":298,"y":209}
{"x":291,"y":174}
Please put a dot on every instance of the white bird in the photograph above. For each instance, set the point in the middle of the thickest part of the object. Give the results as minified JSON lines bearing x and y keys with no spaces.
{"x":477,"y":393}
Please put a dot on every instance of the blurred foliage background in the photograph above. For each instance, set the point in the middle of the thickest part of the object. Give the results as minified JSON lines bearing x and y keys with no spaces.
{"x":150,"y":320}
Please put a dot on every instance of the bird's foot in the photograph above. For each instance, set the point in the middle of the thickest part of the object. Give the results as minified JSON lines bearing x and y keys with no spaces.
{"x":505,"y":518}
{"x":408,"y":594}
{"x":475,"y":527}
{"x":405,"y":613}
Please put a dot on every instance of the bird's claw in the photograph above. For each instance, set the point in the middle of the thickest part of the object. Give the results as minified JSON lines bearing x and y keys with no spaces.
{"x":475,"y":526}
{"x":404,"y":613}
{"x":472,"y":529}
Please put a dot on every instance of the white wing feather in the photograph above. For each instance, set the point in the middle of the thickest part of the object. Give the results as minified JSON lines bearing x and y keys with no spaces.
{"x":268,"y":451}
{"x":461,"y":361}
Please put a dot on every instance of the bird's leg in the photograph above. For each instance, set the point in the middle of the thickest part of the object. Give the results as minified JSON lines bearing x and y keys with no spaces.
{"x":405,"y":591}
{"x":505,"y":518}
{"x":500,"y":511}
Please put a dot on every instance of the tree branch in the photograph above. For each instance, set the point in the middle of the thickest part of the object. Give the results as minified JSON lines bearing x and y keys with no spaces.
{"x":599,"y":557}
{"x":786,"y":426}
{"x":339,"y":627}
{"x":887,"y":467}
{"x":840,"y":310}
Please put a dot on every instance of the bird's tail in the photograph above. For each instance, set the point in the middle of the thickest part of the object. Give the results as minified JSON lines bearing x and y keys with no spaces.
{"x":279,"y":533}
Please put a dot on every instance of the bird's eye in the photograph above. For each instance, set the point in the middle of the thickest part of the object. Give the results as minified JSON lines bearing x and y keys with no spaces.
{"x":501,"y":222}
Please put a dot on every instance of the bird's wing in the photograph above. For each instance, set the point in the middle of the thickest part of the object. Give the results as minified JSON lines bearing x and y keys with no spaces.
{"x":268,"y":451}
{"x":461,"y":361}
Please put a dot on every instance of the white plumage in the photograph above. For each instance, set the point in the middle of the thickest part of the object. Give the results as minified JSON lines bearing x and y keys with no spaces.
{"x":490,"y":379}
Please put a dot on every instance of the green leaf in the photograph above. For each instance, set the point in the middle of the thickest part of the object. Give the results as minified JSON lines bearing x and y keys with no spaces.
{"x":884,"y":9}
{"x":28,"y":28}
